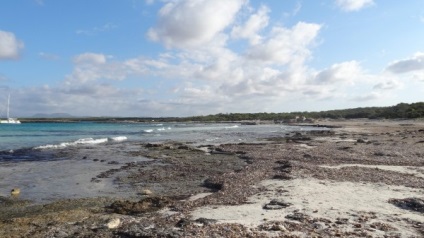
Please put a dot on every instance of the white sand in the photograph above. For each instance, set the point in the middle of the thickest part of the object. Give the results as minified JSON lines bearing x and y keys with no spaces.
{"x":318,"y":198}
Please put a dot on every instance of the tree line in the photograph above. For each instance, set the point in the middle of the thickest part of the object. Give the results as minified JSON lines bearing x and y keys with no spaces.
{"x":401,"y":110}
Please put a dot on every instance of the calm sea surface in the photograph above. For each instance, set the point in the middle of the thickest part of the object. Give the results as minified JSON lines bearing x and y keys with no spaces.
{"x":60,"y":135}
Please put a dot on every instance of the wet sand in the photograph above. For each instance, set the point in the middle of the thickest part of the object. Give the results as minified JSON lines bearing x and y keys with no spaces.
{"x":361,"y":179}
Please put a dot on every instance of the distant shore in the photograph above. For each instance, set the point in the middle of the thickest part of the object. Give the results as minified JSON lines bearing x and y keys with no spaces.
{"x":361,"y":178}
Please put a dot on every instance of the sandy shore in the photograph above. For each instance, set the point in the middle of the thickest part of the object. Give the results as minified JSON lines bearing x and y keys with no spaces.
{"x":362,"y":178}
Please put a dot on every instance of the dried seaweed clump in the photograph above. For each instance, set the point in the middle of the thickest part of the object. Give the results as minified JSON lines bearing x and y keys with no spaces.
{"x":413,"y":204}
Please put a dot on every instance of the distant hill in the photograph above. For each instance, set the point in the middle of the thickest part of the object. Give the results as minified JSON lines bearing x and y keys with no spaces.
{"x":52,"y":115}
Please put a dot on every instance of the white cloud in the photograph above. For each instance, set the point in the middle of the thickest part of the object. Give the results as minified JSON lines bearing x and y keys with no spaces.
{"x":354,"y":5}
{"x":414,"y":63}
{"x":92,"y":66}
{"x":90,"y":58}
{"x":339,"y":73}
{"x":368,"y":97}
{"x":388,"y":85}
{"x":286,"y":46}
{"x":252,"y":26}
{"x":203,"y":74}
{"x":193,"y":23}
{"x":10,"y":46}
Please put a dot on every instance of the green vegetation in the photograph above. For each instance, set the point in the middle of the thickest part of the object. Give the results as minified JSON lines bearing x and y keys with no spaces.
{"x":400,"y":111}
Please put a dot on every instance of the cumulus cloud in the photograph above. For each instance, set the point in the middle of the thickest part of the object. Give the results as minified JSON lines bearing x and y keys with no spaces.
{"x":10,"y":46}
{"x":93,"y":66}
{"x":341,"y":72}
{"x":388,"y":85}
{"x":202,"y":74}
{"x":193,"y":23}
{"x":415,"y":63}
{"x":367,"y":97}
{"x":354,"y":5}
{"x":90,"y":58}
{"x":286,"y":45}
{"x":250,"y":29}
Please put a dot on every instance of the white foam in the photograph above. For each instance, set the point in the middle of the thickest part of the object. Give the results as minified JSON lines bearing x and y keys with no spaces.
{"x":119,"y":138}
{"x":231,"y":127}
{"x":148,"y":130}
{"x":74,"y":143}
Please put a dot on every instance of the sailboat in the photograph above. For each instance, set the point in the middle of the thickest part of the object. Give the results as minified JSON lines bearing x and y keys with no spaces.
{"x":9,"y":120}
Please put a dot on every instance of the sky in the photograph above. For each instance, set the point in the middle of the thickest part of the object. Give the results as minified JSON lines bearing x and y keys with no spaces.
{"x":162,"y":58}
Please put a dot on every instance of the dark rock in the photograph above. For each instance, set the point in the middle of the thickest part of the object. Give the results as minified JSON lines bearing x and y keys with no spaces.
{"x":285,"y":167}
{"x":113,"y":162}
{"x":95,"y":160}
{"x":276,"y":205}
{"x":184,"y":147}
{"x":360,"y":141}
{"x":183,"y":222}
{"x":413,"y":204}
{"x":153,"y":145}
{"x":307,"y":156}
{"x":297,"y":216}
{"x":149,"y":204}
{"x":283,"y":176}
{"x":205,"y":221}
{"x":213,"y":184}
{"x":345,"y":148}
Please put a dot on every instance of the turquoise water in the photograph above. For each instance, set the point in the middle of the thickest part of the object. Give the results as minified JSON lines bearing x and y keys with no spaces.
{"x":28,"y":135}
{"x":61,"y":135}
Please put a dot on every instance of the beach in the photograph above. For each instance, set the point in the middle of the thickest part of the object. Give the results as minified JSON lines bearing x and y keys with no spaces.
{"x":347,"y":178}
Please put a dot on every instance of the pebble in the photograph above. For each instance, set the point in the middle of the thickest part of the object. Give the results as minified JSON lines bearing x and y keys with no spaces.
{"x":146,"y":192}
{"x":113,"y":223}
{"x":15,"y":192}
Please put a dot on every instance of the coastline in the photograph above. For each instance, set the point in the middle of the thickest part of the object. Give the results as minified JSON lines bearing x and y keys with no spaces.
{"x":348,"y":182}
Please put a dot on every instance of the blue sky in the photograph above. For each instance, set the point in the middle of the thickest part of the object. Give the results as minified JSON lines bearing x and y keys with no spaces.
{"x":199,"y":57}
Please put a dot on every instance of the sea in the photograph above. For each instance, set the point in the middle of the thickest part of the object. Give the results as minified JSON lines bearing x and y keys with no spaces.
{"x":52,"y":161}
{"x":45,"y":136}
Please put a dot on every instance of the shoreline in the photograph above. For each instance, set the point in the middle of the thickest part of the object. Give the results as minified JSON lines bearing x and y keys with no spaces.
{"x":352,"y":182}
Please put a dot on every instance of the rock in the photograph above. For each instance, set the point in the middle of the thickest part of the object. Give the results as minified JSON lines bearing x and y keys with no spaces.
{"x":276,"y":205}
{"x":319,"y":225}
{"x":150,"y":145}
{"x":414,"y":204}
{"x":113,"y":223}
{"x":183,"y":222}
{"x":183,"y":147}
{"x":15,"y":192}
{"x":146,"y":192}
{"x":297,"y":216}
{"x":360,"y":141}
{"x":205,"y":221}
{"x":278,"y":227}
{"x":149,"y":204}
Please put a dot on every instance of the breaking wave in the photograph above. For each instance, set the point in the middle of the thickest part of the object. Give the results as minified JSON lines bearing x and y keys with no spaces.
{"x":83,"y":141}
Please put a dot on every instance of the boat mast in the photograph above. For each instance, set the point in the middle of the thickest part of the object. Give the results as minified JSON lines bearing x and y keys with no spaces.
{"x":8,"y":102}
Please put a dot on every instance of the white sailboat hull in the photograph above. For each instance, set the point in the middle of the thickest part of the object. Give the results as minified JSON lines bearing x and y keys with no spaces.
{"x":10,"y":121}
